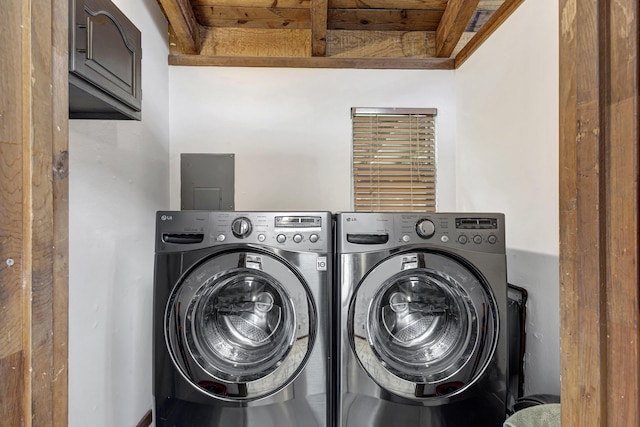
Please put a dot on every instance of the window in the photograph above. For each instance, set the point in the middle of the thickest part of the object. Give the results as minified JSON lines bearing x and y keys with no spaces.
{"x":394,"y":161}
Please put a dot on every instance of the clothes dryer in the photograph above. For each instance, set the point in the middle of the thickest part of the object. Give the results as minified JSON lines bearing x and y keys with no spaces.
{"x":241,"y":319}
{"x":421,"y":336}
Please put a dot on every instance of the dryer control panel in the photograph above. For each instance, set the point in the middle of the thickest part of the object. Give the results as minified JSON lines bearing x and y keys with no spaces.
{"x":369,"y":231}
{"x":294,"y":231}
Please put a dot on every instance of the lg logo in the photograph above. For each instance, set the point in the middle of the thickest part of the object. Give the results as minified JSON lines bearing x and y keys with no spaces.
{"x":166,"y":218}
{"x":351,"y":219}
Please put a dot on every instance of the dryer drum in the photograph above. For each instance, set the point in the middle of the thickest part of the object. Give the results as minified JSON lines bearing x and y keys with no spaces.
{"x":420,"y":323}
{"x":240,"y":328}
{"x":430,"y":324}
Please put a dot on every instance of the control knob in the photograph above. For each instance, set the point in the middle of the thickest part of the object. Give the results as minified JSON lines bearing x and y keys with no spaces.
{"x":241,"y":227}
{"x":425,"y":228}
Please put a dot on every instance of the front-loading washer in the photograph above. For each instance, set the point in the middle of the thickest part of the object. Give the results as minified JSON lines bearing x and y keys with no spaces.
{"x":241,"y":319}
{"x":421,"y":320}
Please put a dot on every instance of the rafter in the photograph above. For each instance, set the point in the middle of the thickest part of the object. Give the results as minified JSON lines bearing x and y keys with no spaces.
{"x":183,"y":22}
{"x":319,"y":27}
{"x":454,"y":20}
{"x":347,"y":31}
{"x":498,"y":17}
{"x":383,"y":19}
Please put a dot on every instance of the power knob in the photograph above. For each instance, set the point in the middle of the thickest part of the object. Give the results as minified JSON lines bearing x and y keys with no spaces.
{"x":241,"y":227}
{"x":425,"y":228}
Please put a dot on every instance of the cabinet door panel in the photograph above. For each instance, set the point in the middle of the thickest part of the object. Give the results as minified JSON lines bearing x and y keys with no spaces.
{"x":105,"y":53}
{"x":109,"y":52}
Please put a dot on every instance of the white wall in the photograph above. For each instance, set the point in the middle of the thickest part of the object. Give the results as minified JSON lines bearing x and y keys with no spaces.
{"x":118,"y":179}
{"x":507,"y":160}
{"x":290,"y":129}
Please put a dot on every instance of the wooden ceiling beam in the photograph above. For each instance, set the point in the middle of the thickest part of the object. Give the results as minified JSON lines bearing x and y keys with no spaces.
{"x":383,"y":19}
{"x":313,"y":62}
{"x":385,"y":4}
{"x":254,"y":17}
{"x":498,"y":17}
{"x":454,"y":20}
{"x":287,"y":4}
{"x":183,"y":22}
{"x":319,"y":27}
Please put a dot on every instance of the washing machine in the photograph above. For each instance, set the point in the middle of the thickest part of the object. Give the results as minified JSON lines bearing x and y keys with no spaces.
{"x":241,"y":319}
{"x":421,"y":320}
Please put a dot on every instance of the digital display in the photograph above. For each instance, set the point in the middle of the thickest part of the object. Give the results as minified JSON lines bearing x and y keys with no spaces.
{"x":298,"y":221}
{"x":477,"y":223}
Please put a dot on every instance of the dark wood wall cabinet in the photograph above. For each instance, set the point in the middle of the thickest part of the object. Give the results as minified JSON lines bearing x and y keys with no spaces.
{"x":105,"y":55}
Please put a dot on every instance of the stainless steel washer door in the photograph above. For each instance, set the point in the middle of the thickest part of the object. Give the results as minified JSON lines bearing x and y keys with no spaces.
{"x":240,"y":325}
{"x":423,"y":325}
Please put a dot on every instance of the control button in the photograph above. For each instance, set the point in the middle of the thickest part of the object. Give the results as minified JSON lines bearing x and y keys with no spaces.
{"x":261,"y":237}
{"x":281,"y":238}
{"x":425,"y":228}
{"x":313,"y":238}
{"x":462,"y":239}
{"x":221,"y":237}
{"x":297,"y":238}
{"x":241,"y":227}
{"x":406,"y":238}
{"x":477,"y":239}
{"x":444,"y":239}
{"x":492,"y":239}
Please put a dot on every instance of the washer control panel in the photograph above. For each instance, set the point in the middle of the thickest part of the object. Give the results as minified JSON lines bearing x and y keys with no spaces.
{"x":361,"y":231}
{"x":296,"y":231}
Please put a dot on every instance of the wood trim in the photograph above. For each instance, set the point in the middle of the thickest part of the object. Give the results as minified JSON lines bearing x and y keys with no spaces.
{"x":454,"y":20}
{"x":45,"y":207}
{"x":622,"y":207}
{"x":498,"y":17}
{"x":599,"y":210}
{"x":319,"y":27}
{"x":146,"y":420}
{"x":568,"y":189}
{"x":183,"y":23}
{"x":59,"y":174}
{"x":314,"y":62}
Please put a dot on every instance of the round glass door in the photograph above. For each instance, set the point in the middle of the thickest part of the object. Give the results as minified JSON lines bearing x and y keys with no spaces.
{"x":424,"y":325}
{"x":240,"y":325}
{"x":239,"y":328}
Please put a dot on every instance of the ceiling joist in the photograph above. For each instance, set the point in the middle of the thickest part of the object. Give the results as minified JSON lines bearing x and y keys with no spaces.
{"x":453,"y":23}
{"x":497,"y":18}
{"x":397,"y":34}
{"x":180,"y":15}
{"x":319,"y":27}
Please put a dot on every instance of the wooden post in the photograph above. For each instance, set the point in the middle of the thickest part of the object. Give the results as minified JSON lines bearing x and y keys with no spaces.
{"x":599,"y":106}
{"x":34,"y":225}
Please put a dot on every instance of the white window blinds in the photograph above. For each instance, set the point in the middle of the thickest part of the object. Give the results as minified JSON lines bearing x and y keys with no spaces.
{"x":394,"y":159}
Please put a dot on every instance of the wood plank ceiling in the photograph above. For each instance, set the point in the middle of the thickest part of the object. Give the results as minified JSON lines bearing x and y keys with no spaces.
{"x":401,"y":34}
